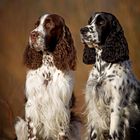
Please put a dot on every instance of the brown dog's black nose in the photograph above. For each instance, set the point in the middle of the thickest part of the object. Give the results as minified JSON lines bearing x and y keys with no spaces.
{"x":34,"y":34}
{"x":84,"y":30}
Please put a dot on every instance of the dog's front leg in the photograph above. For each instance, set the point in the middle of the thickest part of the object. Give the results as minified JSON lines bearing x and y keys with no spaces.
{"x":31,"y":130}
{"x":90,"y":97}
{"x":32,"y":119}
{"x":117,"y":130}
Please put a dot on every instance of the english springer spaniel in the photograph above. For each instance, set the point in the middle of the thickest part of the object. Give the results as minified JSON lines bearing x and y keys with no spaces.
{"x":51,"y":60}
{"x":112,"y":92}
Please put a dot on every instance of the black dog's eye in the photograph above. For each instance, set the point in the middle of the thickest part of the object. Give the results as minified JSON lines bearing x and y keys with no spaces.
{"x":102,"y":22}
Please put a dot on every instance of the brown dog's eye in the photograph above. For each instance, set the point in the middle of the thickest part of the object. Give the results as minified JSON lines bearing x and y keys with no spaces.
{"x":48,"y":24}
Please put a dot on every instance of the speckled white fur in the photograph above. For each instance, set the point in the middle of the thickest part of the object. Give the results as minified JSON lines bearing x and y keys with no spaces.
{"x":47,"y":105}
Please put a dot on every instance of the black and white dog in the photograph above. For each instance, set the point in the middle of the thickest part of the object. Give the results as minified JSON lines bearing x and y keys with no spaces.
{"x":112,"y":92}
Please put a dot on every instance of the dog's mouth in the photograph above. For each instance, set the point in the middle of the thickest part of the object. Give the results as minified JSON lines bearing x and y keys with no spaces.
{"x":37,"y":44}
{"x":85,"y":38}
{"x":37,"y":47}
{"x":88,"y":41}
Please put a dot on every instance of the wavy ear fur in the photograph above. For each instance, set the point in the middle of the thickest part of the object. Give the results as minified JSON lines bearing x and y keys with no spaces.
{"x":32,"y":58}
{"x":116,"y":48}
{"x":89,"y":55}
{"x":64,"y":54}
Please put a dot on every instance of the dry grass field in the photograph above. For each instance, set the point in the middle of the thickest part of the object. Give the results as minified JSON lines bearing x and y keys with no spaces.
{"x":16,"y":21}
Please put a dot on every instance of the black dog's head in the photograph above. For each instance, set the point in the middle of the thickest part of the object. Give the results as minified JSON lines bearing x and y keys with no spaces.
{"x":104,"y":31}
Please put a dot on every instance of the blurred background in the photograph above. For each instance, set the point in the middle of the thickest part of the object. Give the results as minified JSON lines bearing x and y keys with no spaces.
{"x":17,"y":18}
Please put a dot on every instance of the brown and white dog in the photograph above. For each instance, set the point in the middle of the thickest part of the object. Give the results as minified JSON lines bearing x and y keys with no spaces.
{"x":51,"y":60}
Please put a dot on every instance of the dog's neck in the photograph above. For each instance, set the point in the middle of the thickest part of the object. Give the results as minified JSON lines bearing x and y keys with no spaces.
{"x":100,"y":65}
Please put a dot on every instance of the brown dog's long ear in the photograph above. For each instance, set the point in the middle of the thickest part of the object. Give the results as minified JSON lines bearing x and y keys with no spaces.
{"x":65,"y":54}
{"x":32,"y":58}
{"x":89,"y":55}
{"x":115,"y":48}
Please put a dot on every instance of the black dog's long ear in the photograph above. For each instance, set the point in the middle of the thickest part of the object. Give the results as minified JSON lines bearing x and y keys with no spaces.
{"x":115,"y":48}
{"x":89,"y":55}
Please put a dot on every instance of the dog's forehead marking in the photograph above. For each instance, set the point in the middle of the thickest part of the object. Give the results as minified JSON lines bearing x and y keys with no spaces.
{"x":94,"y":18}
{"x":42,"y":19}
{"x":40,"y":28}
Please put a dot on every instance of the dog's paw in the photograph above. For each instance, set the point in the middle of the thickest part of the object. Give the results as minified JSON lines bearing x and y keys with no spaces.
{"x":93,"y":134}
{"x":116,"y":135}
{"x":62,"y":136}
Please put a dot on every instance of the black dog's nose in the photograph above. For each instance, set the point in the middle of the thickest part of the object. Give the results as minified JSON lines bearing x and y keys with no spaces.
{"x":84,"y":30}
